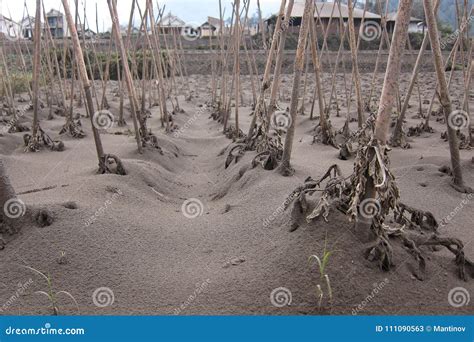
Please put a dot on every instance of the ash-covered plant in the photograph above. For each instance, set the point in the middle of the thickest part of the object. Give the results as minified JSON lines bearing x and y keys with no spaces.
{"x":412,"y":228}
{"x":42,"y":139}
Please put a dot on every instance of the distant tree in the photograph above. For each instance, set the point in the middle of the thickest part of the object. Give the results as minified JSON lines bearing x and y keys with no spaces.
{"x":444,"y":28}
{"x":446,"y":13}
{"x":417,"y":10}
{"x":373,"y":7}
{"x":253,"y":20}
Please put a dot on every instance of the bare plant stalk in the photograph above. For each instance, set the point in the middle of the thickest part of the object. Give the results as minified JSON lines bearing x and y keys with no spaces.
{"x":279,"y":61}
{"x":126,"y":71}
{"x":444,"y":98}
{"x":237,"y":64}
{"x":106,"y":75}
{"x":213,"y":63}
{"x":268,"y":66}
{"x":390,"y":85}
{"x":247,"y":55}
{"x":435,"y":91}
{"x":285,"y":167}
{"x":470,"y":71}
{"x":379,"y":54}
{"x":161,"y":85}
{"x":121,"y":121}
{"x":86,"y":84}
{"x":342,"y":37}
{"x":223,"y":92}
{"x":228,"y":53}
{"x":387,"y":101}
{"x":36,"y":71}
{"x":56,"y":62}
{"x":397,"y":133}
{"x":23,"y":64}
{"x":355,"y":64}
{"x":323,"y":121}
{"x":48,"y":76}
{"x":302,"y":109}
{"x":7,"y":85}
{"x":262,"y":28}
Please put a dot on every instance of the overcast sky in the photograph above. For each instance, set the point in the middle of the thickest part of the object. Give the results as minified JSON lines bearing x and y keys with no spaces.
{"x":191,"y":11}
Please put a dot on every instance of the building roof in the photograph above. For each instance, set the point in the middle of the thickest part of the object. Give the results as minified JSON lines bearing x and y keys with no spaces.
{"x":54,"y":13}
{"x":326,"y":9}
{"x":171,"y":20}
{"x":393,"y":17}
{"x":27,"y":20}
{"x":124,"y":30}
{"x":29,"y":23}
{"x":79,"y":28}
{"x":4,"y":18}
{"x":215,"y":22}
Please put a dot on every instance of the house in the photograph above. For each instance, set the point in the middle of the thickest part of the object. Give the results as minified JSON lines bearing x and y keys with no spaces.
{"x":56,"y":24}
{"x":416,"y":25}
{"x":212,"y":27}
{"x":327,"y":14}
{"x":9,"y":29}
{"x":88,"y":33}
{"x":27,"y":27}
{"x":171,"y":23}
{"x":134,"y":32}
